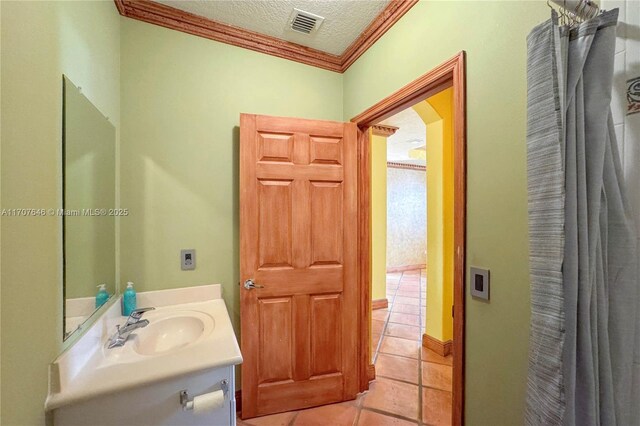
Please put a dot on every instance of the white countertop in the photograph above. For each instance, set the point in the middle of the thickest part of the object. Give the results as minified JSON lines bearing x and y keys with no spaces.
{"x":90,"y":369}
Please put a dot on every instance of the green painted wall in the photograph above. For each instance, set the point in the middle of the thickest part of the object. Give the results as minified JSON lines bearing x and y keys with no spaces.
{"x":494,"y":35}
{"x":39,"y":42}
{"x":181,"y":102}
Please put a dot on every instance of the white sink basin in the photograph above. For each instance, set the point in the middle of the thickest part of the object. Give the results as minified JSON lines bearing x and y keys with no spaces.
{"x":169,"y":331}
{"x":168,"y":334}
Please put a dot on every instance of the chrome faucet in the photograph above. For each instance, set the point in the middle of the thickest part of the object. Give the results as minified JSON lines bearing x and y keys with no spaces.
{"x":119,"y":338}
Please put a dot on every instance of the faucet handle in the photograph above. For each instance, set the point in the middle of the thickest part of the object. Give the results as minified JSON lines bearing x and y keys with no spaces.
{"x":136,"y":314}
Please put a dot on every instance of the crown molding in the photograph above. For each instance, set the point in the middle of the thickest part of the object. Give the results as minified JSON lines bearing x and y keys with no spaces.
{"x":175,"y":19}
{"x":383,"y":130}
{"x":179,"y":20}
{"x":395,"y":165}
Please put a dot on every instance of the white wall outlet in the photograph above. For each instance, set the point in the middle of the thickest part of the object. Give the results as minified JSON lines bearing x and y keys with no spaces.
{"x":188,"y":259}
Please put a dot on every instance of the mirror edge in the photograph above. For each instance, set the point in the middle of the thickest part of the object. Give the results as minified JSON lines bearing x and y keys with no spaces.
{"x":81,"y":330}
{"x":69,"y":339}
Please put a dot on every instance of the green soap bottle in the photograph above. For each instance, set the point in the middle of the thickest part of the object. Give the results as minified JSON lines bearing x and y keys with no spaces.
{"x":102,"y":296}
{"x":128,"y":300}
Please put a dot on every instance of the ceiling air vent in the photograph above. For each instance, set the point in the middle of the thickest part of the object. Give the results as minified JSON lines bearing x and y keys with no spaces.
{"x":305,"y":22}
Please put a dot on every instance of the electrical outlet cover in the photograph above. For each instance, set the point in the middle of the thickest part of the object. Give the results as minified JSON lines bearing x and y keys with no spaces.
{"x":188,"y":259}
{"x":479,"y":283}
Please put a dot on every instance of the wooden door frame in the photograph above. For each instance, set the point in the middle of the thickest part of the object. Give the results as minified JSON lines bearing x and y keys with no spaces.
{"x":449,"y":74}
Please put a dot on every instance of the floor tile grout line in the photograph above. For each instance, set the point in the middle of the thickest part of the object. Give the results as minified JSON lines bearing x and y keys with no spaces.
{"x":389,"y":414}
{"x":419,"y":384}
{"x":438,"y":389}
{"x":376,"y":358}
{"x":414,"y":359}
{"x":437,"y":363}
{"x":293,"y":419}
{"x":403,"y":338}
{"x":395,"y":379}
{"x":404,"y":323}
{"x":382,"y":334}
{"x":356,"y":420}
{"x":384,"y":328}
{"x":401,"y":356}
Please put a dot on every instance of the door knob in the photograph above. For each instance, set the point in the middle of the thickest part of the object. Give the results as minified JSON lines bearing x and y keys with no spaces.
{"x":250,"y":285}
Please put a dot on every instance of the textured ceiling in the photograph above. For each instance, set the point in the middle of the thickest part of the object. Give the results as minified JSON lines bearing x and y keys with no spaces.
{"x":344,"y":19}
{"x":411,"y":134}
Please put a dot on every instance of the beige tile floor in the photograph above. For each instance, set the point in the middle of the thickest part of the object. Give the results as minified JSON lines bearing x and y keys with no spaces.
{"x":413,"y":384}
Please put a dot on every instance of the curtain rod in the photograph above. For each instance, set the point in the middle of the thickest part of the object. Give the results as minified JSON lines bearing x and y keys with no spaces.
{"x":584,"y":9}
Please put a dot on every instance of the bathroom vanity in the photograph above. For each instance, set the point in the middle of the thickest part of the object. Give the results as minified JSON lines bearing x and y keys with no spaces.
{"x":177,"y":370}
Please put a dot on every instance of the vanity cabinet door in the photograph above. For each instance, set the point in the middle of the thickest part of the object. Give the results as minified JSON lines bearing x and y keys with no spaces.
{"x":156,"y":404}
{"x":298,"y":248}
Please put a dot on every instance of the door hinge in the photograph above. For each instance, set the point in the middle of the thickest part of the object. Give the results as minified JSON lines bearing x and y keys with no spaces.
{"x":453,"y":312}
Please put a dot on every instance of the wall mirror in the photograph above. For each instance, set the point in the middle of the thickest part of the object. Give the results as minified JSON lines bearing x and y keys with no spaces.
{"x":89,"y":189}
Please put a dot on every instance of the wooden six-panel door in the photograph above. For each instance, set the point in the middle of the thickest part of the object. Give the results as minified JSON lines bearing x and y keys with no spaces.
{"x":298,"y":245}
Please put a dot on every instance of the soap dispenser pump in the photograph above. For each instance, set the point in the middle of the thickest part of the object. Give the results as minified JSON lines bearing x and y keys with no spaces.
{"x":128,"y":300}
{"x":102,"y":296}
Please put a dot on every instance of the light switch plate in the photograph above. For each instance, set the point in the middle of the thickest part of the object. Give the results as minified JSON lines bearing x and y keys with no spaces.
{"x":188,"y":259}
{"x":479,"y":283}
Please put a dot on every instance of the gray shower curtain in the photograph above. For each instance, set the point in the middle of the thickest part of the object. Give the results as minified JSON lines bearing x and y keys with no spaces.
{"x":583,"y":258}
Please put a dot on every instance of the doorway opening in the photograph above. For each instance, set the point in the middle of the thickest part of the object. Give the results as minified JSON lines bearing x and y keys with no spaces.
{"x":413,"y":349}
{"x":400,"y":206}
